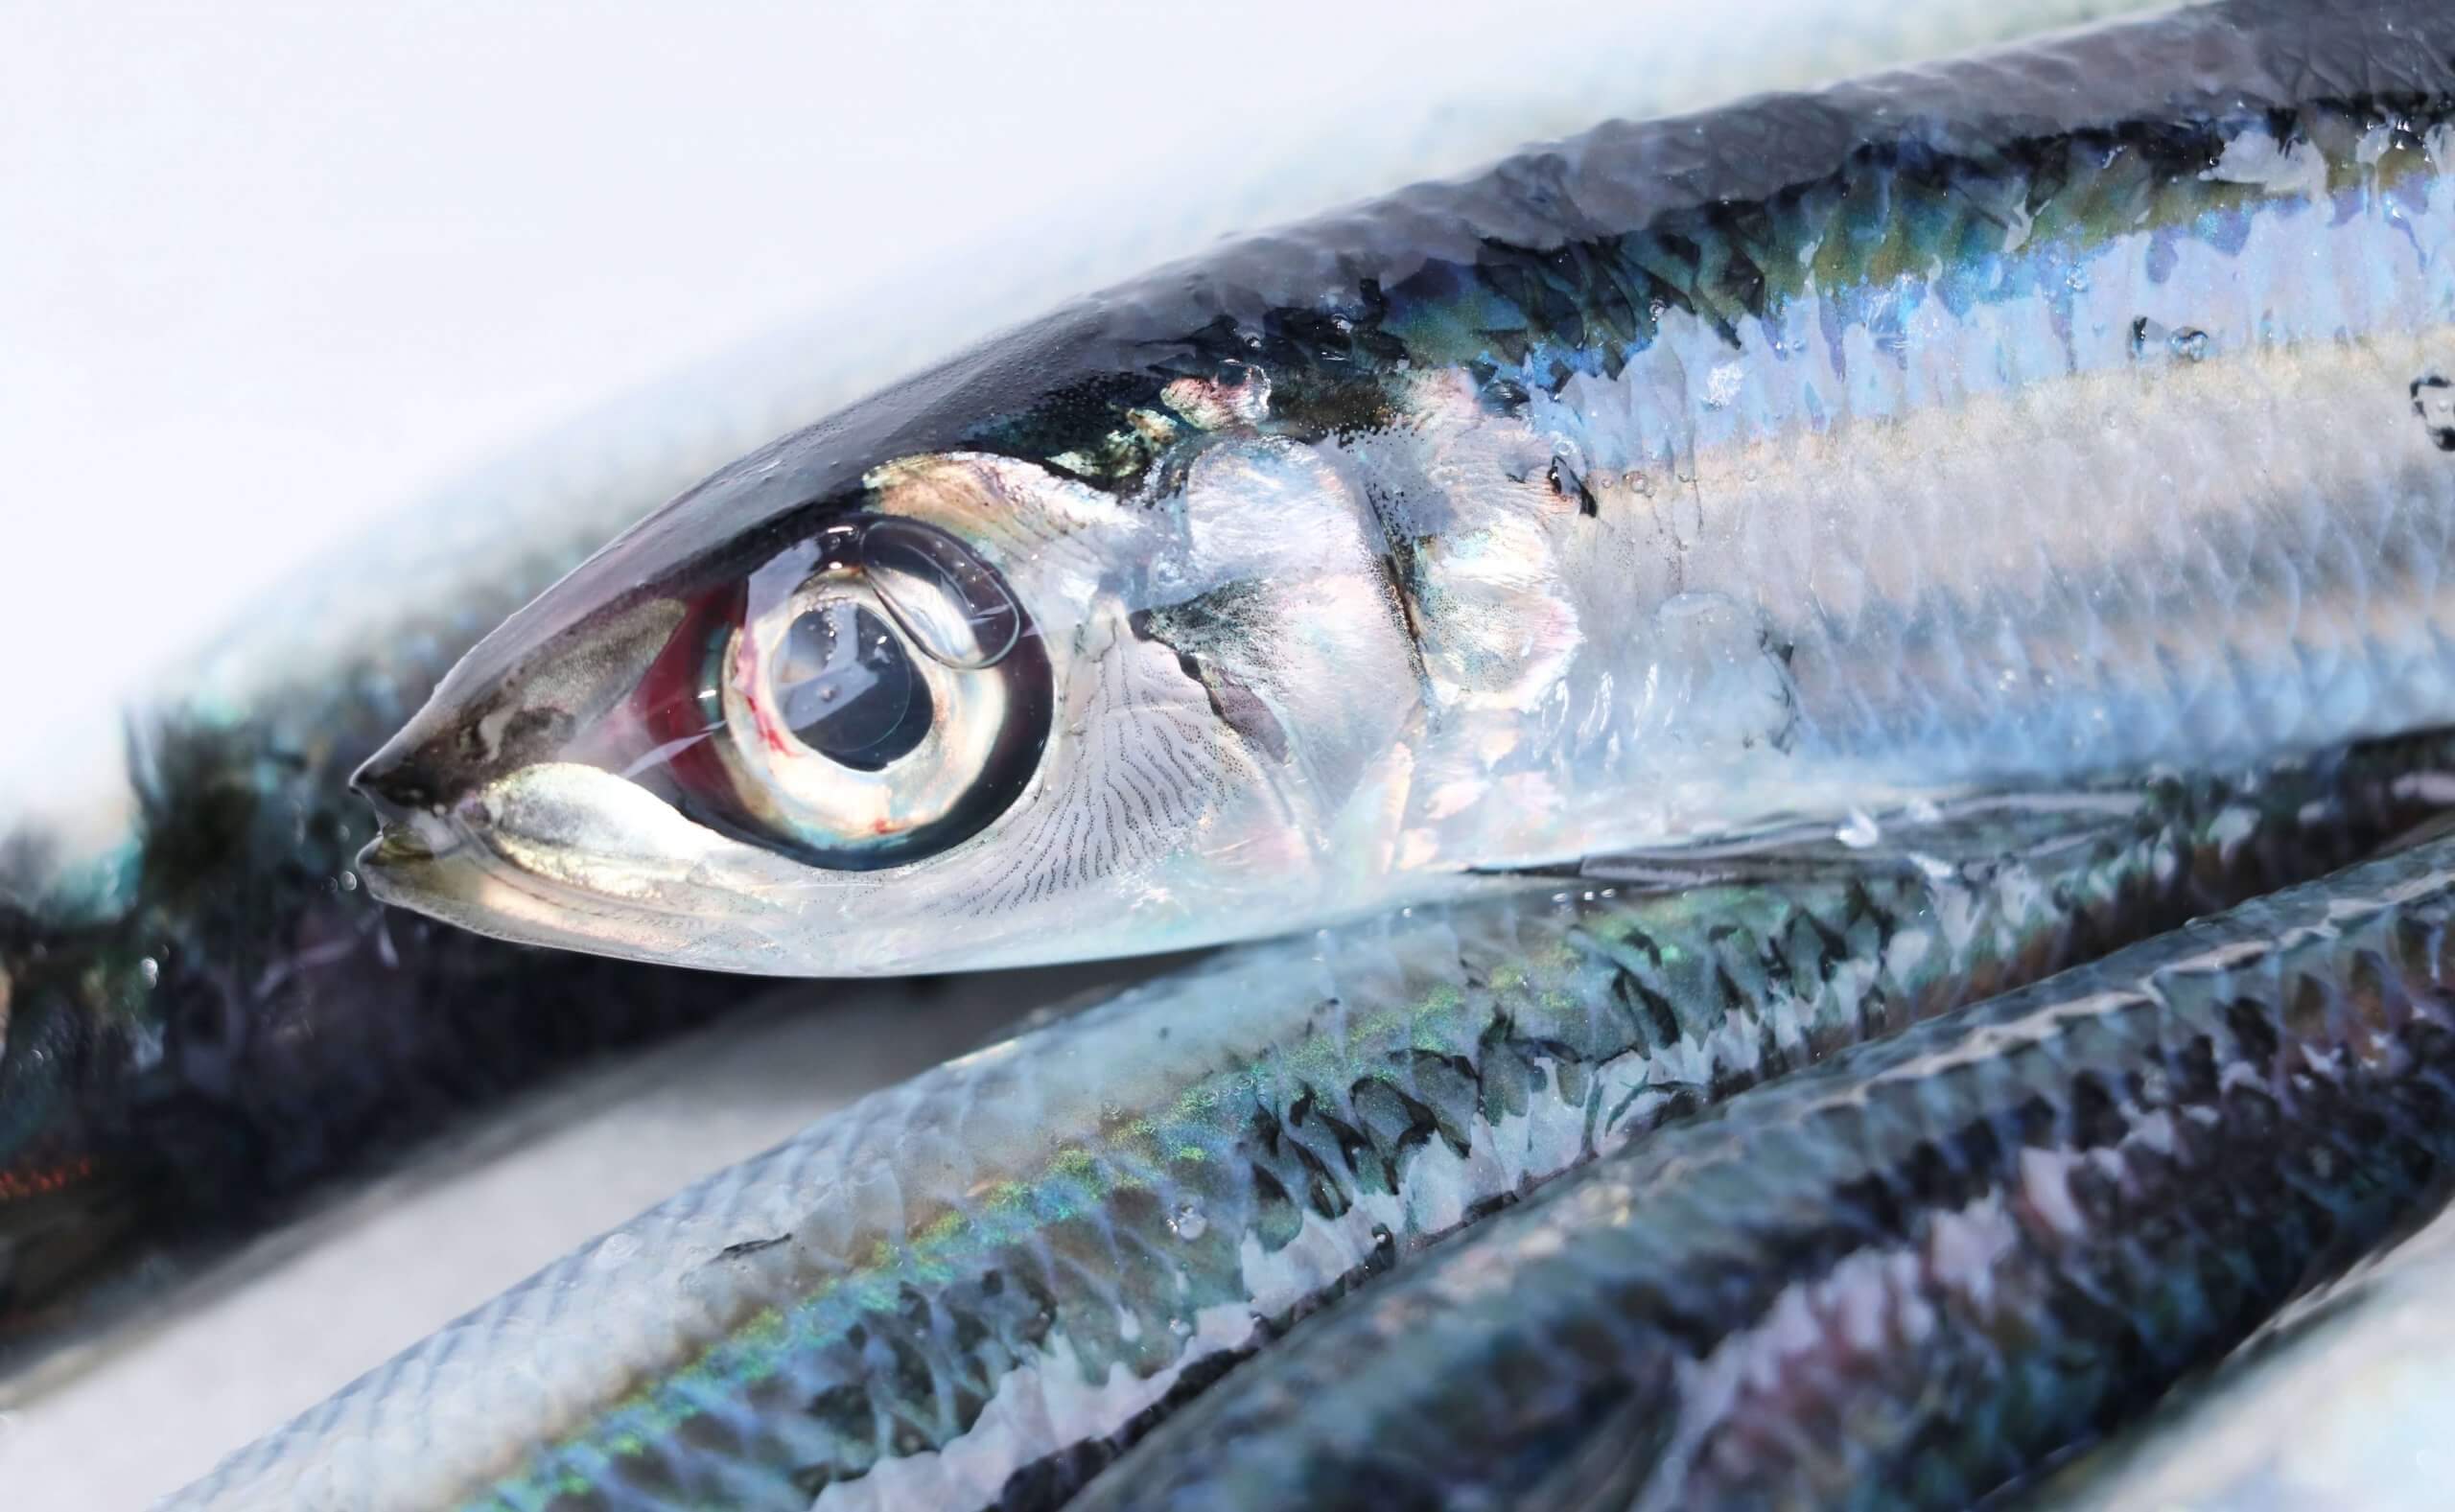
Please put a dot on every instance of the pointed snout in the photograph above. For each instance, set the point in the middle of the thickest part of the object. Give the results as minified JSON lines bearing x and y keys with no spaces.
{"x":396,"y":784}
{"x":414,"y":830}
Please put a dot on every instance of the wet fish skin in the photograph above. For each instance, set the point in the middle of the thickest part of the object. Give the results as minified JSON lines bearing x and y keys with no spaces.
{"x":2343,"y":1404}
{"x":206,"y":1017}
{"x":973,"y":1288}
{"x":275,"y":1037}
{"x":1908,"y":1275}
{"x":2048,"y":412}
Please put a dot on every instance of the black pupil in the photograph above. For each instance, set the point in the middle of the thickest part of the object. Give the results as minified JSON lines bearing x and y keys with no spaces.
{"x":846,"y":688}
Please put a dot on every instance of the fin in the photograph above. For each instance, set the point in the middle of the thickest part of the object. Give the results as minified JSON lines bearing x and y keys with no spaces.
{"x":1969,"y":831}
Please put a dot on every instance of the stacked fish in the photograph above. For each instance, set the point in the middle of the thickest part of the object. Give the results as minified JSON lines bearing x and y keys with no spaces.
{"x":1816,"y":734}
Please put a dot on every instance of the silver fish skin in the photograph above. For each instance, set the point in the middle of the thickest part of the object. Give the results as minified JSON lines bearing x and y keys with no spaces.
{"x":2346,"y":1405}
{"x":970,"y":1291}
{"x":2048,"y":412}
{"x":201,"y":1017}
{"x":1910,"y":1275}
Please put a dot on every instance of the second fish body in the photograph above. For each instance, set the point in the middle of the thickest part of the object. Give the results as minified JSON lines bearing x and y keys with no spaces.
{"x":1907,"y":1277}
{"x":971,"y":1289}
{"x":202,"y":1017}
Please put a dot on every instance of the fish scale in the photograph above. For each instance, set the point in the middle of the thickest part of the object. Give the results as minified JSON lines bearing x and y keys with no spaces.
{"x":2007,"y":421}
{"x":973,"y":1288}
{"x":1910,"y":1275}
{"x":2342,"y":1403}
{"x":202,"y":1019}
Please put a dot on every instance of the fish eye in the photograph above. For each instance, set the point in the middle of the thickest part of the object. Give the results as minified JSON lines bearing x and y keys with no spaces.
{"x":846,"y":689}
{"x":864,"y":699}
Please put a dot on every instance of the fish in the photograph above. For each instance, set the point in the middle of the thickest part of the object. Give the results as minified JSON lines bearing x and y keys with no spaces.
{"x":2342,"y":1404}
{"x":973,"y":1288}
{"x":1911,"y":1274}
{"x":2051,"y":413}
{"x":203,"y":1015}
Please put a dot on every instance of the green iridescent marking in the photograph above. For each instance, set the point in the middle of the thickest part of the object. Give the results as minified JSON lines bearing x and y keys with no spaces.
{"x":1069,"y":1184}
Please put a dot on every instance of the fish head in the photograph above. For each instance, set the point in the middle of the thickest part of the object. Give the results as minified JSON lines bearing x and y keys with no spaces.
{"x":862,"y":703}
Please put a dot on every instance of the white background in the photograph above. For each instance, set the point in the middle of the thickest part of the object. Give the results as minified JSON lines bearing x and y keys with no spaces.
{"x":267,"y":271}
{"x":264,"y":269}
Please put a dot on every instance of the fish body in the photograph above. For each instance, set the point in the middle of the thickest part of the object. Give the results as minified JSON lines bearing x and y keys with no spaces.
{"x":2048,"y":412}
{"x":2346,"y":1405}
{"x":972,"y":1289}
{"x":1908,"y":1275}
{"x":202,"y":1014}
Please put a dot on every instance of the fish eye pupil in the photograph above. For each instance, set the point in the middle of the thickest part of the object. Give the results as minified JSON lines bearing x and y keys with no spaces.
{"x":848,"y":690}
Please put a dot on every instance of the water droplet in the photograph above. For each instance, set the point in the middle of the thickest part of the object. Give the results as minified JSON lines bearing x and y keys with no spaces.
{"x":1859,"y":832}
{"x":150,"y":969}
{"x":347,"y":881}
{"x":1187,"y":1221}
{"x":2189,"y":344}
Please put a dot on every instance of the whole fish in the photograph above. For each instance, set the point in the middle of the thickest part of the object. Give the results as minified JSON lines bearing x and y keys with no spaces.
{"x":2052,"y":411}
{"x":2347,"y":1406}
{"x":1911,"y":1274}
{"x":971,"y":1289}
{"x":200,"y":1012}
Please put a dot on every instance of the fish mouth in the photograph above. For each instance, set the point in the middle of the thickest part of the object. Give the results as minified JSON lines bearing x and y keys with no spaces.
{"x":423,"y":857}
{"x":452,"y":870}
{"x":431,"y":853}
{"x":461,"y":884}
{"x":572,"y":857}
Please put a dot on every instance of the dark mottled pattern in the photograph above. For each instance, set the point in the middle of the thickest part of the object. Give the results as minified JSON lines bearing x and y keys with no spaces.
{"x":1905,"y":1277}
{"x":238,"y":1021}
{"x":1028,"y":1209}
